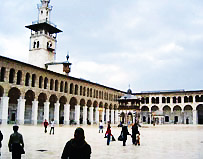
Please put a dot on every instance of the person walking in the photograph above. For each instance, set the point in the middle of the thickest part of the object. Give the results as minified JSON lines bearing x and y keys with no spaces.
{"x":124,"y":133}
{"x":16,"y":144}
{"x":52,"y":126}
{"x":1,"y":138}
{"x":77,"y":148}
{"x":45,"y":125}
{"x":108,"y":133}
{"x":101,"y":126}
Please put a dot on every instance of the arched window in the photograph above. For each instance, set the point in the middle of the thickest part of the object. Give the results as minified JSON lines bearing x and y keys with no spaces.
{"x":71,"y":88}
{"x":96,"y":93}
{"x":157,"y":100}
{"x":142,"y":100}
{"x":76,"y":89}
{"x":174,"y":99}
{"x":33,"y":80}
{"x":11,"y":75}
{"x":27,"y":79}
{"x":19,"y":77}
{"x":80,"y":90}
{"x":190,"y":99}
{"x":90,"y":92}
{"x":163,"y":100}
{"x":153,"y":100}
{"x":144,"y":119}
{"x":185,"y":99}
{"x":197,"y":98}
{"x":40,"y":81}
{"x":179,"y":99}
{"x":34,"y":44}
{"x":66,"y":87}
{"x":45,"y":83}
{"x":56,"y":85}
{"x":37,"y":44}
{"x":168,"y":100}
{"x":84,"y":91}
{"x":147,"y":100}
{"x":61,"y":86}
{"x":51,"y":84}
{"x":3,"y":71}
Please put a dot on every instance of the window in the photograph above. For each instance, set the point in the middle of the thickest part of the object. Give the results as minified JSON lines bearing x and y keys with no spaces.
{"x":37,"y":44}
{"x":168,"y":99}
{"x":45,"y":83}
{"x":166,"y":118}
{"x":56,"y":85}
{"x":3,"y":71}
{"x":71,"y":88}
{"x":66,"y":87}
{"x":51,"y":84}
{"x":11,"y":75}
{"x":19,"y":77}
{"x":61,"y":86}
{"x":33,"y":80}
{"x":27,"y":79}
{"x":40,"y":81}
{"x":76,"y":89}
{"x":163,"y":100}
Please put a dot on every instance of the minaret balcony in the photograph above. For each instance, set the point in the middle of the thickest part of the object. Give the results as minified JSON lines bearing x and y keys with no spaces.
{"x":44,"y":21}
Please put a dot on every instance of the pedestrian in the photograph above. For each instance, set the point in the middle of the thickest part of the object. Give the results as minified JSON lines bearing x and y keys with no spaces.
{"x":77,"y":148}
{"x":124,"y":133}
{"x":138,"y":139}
{"x":135,"y":132}
{"x":1,"y":138}
{"x":52,"y":126}
{"x":108,"y":133}
{"x":45,"y":125}
{"x":16,"y":144}
{"x":101,"y":126}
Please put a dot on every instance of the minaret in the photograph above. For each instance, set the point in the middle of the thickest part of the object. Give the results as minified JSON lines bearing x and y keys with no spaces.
{"x":43,"y":37}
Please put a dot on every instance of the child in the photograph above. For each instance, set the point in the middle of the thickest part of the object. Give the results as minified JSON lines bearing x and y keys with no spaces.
{"x":138,"y":139}
{"x":100,"y":126}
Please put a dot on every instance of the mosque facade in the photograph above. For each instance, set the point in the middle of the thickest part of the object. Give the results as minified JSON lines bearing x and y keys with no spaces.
{"x":42,"y":89}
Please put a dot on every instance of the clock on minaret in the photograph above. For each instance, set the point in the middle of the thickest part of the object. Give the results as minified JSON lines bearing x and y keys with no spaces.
{"x":43,"y":37}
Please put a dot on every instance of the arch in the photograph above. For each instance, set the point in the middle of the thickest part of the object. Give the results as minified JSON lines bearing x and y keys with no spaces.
{"x":144,"y":108}
{"x":11,"y":75}
{"x":13,"y":94}
{"x":101,"y":105}
{"x":29,"y":96}
{"x":73,"y":102}
{"x":166,"y":108}
{"x":82,"y":102}
{"x":188,"y":108}
{"x":106,"y":105}
{"x":19,"y":77}
{"x":95,"y":104}
{"x":89,"y":103}
{"x":2,"y":75}
{"x":53,"y":99}
{"x":41,"y":99}
{"x":154,"y":108}
{"x":27,"y":79}
{"x":62,"y":101}
{"x":177,"y":108}
{"x":199,"y":109}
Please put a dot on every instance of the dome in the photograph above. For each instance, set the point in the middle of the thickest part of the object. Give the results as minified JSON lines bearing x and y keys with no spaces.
{"x":129,"y":91}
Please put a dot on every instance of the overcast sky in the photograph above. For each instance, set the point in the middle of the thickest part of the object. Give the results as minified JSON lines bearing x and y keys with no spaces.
{"x":147,"y":44}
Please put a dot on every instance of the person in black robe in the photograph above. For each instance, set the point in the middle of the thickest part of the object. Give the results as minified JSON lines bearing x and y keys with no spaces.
{"x":77,"y":148}
{"x":124,"y":133}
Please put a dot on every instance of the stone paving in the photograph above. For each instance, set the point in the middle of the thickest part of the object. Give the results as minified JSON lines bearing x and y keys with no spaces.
{"x":159,"y":142}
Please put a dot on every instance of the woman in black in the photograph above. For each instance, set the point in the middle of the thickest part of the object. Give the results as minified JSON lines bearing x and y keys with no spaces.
{"x":124,"y":133}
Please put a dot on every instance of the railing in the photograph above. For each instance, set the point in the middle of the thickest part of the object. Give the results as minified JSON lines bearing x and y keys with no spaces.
{"x":43,"y":21}
{"x":128,"y":107}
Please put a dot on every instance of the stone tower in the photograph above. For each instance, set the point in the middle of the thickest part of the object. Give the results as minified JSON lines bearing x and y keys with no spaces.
{"x":43,"y":37}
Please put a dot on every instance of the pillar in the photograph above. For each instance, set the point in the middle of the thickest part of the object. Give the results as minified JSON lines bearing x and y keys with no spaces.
{"x":34,"y":111}
{"x":67,"y":114}
{"x":4,"y":110}
{"x":20,"y":111}
{"x":112,"y":116}
{"x":116,"y":116}
{"x":77,"y":114}
{"x":91,"y":114}
{"x":107,"y":115}
{"x":56,"y":112}
{"x":97,"y":115}
{"x":46,"y":111}
{"x":85,"y":115}
{"x":194,"y":117}
{"x":103,"y":112}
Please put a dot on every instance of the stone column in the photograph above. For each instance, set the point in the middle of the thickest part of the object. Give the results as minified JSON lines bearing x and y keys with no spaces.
{"x":194,"y":117}
{"x":20,"y":111}
{"x":116,"y":116}
{"x":4,"y":110}
{"x":85,"y":115}
{"x":56,"y":112}
{"x":34,"y":111}
{"x":112,"y":116}
{"x":103,"y":112}
{"x":77,"y":114}
{"x":67,"y":114}
{"x":107,"y":115}
{"x":91,"y":114}
{"x":97,"y":115}
{"x":46,"y":111}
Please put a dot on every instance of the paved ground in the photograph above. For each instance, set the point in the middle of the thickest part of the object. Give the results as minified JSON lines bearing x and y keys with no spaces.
{"x":159,"y":142}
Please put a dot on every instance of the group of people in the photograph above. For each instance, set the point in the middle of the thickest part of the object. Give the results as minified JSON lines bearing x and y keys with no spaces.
{"x":124,"y":133}
{"x":52,"y":124}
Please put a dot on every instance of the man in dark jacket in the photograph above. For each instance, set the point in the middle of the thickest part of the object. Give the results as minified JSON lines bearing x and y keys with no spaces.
{"x":134,"y":132}
{"x":77,"y":148}
{"x":16,"y":144}
{"x":124,"y":132}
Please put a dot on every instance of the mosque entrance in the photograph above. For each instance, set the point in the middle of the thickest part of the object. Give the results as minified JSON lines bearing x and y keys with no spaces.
{"x":200,"y":113}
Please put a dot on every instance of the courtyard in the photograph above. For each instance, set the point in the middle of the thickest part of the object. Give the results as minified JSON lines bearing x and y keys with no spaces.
{"x":157,"y":142}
